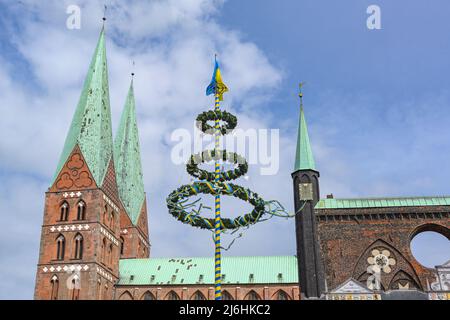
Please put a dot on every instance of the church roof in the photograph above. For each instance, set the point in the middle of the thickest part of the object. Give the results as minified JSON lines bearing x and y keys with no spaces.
{"x":91,"y":123}
{"x":127,"y":159}
{"x":185,"y":271}
{"x":382,"y":202}
{"x":304,"y":159}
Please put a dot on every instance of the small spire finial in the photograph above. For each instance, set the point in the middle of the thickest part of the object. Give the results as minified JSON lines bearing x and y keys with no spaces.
{"x":300,"y":92}
{"x":104,"y":14}
{"x":132,"y":69}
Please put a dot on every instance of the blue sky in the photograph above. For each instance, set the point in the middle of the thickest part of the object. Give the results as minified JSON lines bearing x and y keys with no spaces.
{"x":377,"y":103}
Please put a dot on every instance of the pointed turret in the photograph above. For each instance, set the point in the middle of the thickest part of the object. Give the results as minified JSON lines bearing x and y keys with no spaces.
{"x":304,"y":159}
{"x":91,"y":123}
{"x":306,"y":195}
{"x":127,"y":158}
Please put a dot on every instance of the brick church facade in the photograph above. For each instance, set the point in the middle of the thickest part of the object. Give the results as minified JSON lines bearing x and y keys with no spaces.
{"x":95,"y":241}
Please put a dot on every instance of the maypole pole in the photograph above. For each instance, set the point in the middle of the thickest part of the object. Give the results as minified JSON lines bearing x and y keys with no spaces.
{"x":217,"y":230}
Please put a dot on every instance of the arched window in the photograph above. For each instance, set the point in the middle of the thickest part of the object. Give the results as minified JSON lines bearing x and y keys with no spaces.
{"x":226,"y":296}
{"x":81,"y":213}
{"x":99,"y":289}
{"x":60,"y":247}
{"x":103,"y":252}
{"x":55,"y":287}
{"x":198,"y":296}
{"x":281,"y":295}
{"x":148,"y":296}
{"x":78,"y":250}
{"x":252,"y":295}
{"x":172,"y":296}
{"x":105,"y":297}
{"x":111,"y":220}
{"x":122,"y":244}
{"x":110,"y":254}
{"x":126,"y":296}
{"x":105,"y":215}
{"x":64,"y":211}
{"x":75,"y":288}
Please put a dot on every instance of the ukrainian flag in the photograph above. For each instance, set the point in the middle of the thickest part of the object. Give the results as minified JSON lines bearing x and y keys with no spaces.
{"x":216,"y":85}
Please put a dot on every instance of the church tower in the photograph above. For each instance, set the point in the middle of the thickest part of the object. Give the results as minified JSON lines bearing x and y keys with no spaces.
{"x":80,"y":238}
{"x":306,"y":196}
{"x":134,"y":237}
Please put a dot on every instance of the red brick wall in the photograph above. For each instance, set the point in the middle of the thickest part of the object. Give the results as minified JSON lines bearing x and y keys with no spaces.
{"x":187,"y":292}
{"x":102,"y":222}
{"x":347,"y":238}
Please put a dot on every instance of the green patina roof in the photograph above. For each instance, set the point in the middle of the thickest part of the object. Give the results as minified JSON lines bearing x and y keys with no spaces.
{"x":127,"y":160}
{"x":91,"y":123}
{"x":382,"y":202}
{"x":235,"y":270}
{"x":304,"y":159}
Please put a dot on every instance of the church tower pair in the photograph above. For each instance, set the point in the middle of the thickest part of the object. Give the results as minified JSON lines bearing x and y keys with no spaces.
{"x":306,"y":195}
{"x":95,"y":209}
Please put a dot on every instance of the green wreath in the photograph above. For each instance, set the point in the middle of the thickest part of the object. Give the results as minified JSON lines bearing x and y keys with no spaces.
{"x":209,"y":155}
{"x":176,"y":203}
{"x":203,"y":118}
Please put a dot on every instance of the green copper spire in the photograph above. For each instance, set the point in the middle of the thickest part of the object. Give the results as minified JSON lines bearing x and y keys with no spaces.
{"x":304,"y":159}
{"x":91,"y":123}
{"x":127,"y":159}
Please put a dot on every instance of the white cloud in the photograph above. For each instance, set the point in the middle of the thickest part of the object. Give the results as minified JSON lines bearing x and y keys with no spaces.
{"x":173,"y":44}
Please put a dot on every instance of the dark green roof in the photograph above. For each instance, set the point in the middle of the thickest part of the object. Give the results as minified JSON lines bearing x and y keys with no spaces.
{"x":200,"y":270}
{"x":382,"y":202}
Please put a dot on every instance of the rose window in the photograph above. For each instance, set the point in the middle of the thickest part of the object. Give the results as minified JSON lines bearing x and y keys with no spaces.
{"x":381,"y":261}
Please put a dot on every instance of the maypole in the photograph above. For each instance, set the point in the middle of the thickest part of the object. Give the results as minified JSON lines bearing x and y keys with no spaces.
{"x":218,"y":183}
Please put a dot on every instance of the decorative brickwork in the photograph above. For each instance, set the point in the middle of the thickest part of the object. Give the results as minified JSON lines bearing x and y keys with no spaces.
{"x":351,"y":239}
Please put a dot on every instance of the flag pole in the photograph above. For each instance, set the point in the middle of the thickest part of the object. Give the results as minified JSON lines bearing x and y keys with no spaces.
{"x":218,"y":254}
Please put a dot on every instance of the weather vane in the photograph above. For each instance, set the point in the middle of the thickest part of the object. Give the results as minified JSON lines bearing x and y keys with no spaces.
{"x":300,"y":92}
{"x":104,"y":12}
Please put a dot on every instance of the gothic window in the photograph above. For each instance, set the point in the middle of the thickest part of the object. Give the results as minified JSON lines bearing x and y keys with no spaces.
{"x":148,"y":296}
{"x":281,"y":295}
{"x":78,"y":252}
{"x":226,"y":296}
{"x":110,"y":254}
{"x":99,"y":290}
{"x":172,"y":296}
{"x":64,"y":211}
{"x":112,"y":220}
{"x":60,"y":247}
{"x":81,"y":211}
{"x":126,"y":296}
{"x":105,"y":215}
{"x":122,"y":244}
{"x":252,"y":295}
{"x":55,"y":287}
{"x":105,"y":297}
{"x":198,"y":296}
{"x":103,"y":251}
{"x":75,"y":288}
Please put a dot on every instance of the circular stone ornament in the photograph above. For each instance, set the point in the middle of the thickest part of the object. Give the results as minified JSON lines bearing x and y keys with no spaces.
{"x":381,"y":261}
